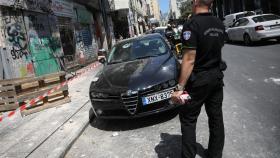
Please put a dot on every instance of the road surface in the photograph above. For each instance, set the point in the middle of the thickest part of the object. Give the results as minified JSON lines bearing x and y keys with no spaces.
{"x":251,"y":115}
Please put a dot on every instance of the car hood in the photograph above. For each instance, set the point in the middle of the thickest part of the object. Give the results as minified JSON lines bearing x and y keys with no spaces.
{"x":136,"y":75}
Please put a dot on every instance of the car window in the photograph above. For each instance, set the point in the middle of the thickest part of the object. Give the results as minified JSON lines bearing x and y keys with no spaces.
{"x":241,"y":22}
{"x":136,"y":49}
{"x":264,"y":18}
{"x":236,"y":24}
{"x":239,"y":16}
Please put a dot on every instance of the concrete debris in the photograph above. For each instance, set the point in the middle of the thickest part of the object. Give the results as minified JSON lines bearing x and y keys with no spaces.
{"x":115,"y":134}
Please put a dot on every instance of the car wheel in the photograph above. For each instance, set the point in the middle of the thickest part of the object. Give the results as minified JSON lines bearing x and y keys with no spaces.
{"x":278,"y":40}
{"x":247,"y":40}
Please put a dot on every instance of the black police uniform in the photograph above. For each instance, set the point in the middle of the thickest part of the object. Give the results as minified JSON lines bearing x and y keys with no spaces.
{"x":204,"y":33}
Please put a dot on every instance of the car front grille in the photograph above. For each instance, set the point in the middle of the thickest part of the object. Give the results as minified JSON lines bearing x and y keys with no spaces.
{"x":130,"y":102}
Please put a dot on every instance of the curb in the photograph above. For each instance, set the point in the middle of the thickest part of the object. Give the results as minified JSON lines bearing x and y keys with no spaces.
{"x":62,"y":151}
{"x":79,"y":121}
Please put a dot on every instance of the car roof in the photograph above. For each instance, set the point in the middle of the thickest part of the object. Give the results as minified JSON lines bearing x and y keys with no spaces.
{"x":140,"y":37}
{"x":257,"y":15}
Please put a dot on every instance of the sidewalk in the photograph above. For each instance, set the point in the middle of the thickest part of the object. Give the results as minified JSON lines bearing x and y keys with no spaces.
{"x":48,"y":133}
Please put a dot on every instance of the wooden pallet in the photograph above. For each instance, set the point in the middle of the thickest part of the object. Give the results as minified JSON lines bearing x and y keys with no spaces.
{"x":17,"y":92}
{"x":8,"y":100}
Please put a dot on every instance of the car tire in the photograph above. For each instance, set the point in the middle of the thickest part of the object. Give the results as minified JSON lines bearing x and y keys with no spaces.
{"x":247,"y":39}
{"x":278,"y":40}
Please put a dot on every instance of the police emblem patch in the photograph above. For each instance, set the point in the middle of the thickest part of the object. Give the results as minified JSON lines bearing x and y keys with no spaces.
{"x":187,"y":35}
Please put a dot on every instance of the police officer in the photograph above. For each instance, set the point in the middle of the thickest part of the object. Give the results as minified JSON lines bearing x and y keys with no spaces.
{"x":202,"y":77}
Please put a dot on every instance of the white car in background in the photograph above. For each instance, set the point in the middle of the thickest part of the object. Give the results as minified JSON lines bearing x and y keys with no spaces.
{"x":231,"y":18}
{"x":255,"y":28}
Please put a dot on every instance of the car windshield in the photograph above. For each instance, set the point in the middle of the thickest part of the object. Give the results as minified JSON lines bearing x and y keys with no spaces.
{"x":264,"y":18}
{"x":137,"y":49}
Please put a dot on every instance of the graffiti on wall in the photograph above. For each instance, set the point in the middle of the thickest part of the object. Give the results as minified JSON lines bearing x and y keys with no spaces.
{"x":41,"y":43}
{"x":16,"y":44}
{"x":15,"y":34}
{"x":55,"y":42}
{"x":84,"y":43}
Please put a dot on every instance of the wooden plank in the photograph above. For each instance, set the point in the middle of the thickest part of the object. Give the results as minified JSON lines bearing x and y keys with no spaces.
{"x":32,"y":79}
{"x":14,"y":80}
{"x":7,"y":93}
{"x":8,"y":100}
{"x":6,"y":88}
{"x":53,"y":79}
{"x":56,"y":93}
{"x":60,"y":73}
{"x":45,"y":106}
{"x":34,"y":94}
{"x":29,"y":85}
{"x":8,"y":107}
{"x":19,"y":81}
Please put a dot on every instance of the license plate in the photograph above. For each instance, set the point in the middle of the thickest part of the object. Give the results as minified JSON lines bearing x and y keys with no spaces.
{"x":157,"y":97}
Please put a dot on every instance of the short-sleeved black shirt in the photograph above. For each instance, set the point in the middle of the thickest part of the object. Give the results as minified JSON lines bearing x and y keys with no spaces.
{"x":205,"y":33}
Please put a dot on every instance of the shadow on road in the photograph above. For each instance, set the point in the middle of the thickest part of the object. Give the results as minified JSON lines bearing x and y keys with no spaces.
{"x":170,"y":146}
{"x":130,"y":124}
{"x":255,"y":44}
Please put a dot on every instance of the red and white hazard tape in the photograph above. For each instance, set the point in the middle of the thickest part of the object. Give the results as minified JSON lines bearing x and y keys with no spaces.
{"x":39,"y":98}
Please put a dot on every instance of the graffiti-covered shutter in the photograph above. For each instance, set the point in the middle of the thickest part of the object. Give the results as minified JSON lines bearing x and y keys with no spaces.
{"x":84,"y":42}
{"x":39,"y":33}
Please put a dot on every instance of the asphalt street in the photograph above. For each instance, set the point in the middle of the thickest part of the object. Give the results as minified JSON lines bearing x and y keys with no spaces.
{"x":251,"y":115}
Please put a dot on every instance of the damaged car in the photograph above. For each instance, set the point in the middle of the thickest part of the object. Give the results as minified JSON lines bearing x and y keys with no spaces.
{"x":138,"y":79}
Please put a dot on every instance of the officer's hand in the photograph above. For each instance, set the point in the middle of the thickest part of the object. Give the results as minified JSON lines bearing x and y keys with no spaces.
{"x":175,"y":98}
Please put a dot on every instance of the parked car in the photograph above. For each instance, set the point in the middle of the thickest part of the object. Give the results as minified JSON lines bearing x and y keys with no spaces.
{"x":160,"y":30}
{"x":137,"y":79}
{"x":255,"y":28}
{"x":232,"y":18}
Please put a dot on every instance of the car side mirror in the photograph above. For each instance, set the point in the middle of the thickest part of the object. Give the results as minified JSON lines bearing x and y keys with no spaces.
{"x":102,"y":60}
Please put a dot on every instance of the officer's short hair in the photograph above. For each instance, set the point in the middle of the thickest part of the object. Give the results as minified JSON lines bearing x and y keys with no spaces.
{"x":207,"y":3}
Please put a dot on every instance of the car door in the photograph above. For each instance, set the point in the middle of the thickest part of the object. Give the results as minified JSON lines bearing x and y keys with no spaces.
{"x":241,"y":28}
{"x":232,"y":31}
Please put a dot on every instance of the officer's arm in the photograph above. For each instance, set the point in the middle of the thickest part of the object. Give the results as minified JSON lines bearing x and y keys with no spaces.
{"x":187,"y":65}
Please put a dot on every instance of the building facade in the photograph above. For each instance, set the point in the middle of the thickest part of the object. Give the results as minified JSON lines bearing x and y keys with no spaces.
{"x":155,"y":9}
{"x":174,"y":9}
{"x":129,"y":17}
{"x":39,"y":37}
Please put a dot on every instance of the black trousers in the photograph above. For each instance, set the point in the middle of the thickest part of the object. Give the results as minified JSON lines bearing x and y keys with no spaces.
{"x":209,"y":94}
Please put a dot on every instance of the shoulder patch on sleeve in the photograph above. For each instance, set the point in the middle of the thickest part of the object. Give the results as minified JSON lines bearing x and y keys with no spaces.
{"x":187,"y":35}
